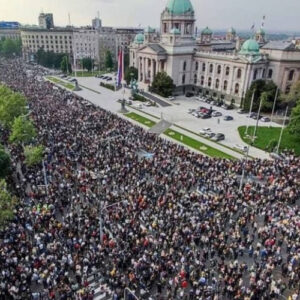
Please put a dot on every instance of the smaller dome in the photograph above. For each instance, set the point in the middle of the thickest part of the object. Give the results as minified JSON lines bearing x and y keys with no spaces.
{"x":261,"y":31}
{"x":175,"y":31}
{"x":207,"y":31}
{"x":231,"y":30}
{"x":139,"y":38}
{"x":250,"y":47}
{"x":149,"y":30}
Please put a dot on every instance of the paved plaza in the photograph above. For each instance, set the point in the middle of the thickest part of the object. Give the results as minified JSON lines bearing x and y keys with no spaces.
{"x":177,"y":113}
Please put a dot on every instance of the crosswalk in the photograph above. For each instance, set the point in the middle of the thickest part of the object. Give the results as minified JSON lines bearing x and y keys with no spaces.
{"x":101,"y":290}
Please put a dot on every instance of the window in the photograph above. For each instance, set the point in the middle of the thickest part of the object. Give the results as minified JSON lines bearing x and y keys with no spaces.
{"x":165,"y":27}
{"x":239,"y":74}
{"x":184,"y":66}
{"x":255,"y":75}
{"x":264,"y":73}
{"x":225,"y":85}
{"x":203,"y":67}
{"x":291,"y":75}
{"x":209,"y":81}
{"x":195,"y":79}
{"x":183,"y":79}
{"x":217,"y":83}
{"x":227,"y":71}
{"x":236,"y":89}
{"x":270,"y":73}
{"x":211,"y":68}
{"x":219,"y":69}
{"x":287,"y":89}
{"x":202,"y":80}
{"x":196,"y":66}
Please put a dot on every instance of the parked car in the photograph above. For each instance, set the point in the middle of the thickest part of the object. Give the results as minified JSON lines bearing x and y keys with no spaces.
{"x":241,"y":111}
{"x":171,"y":98}
{"x":200,"y":98}
{"x":189,"y":94}
{"x":216,"y":114}
{"x":209,"y":135}
{"x":205,"y":130}
{"x":265,"y":119}
{"x":205,"y":116}
{"x":218,"y":137}
{"x":228,"y":118}
{"x":196,"y":114}
{"x":219,"y":103}
{"x":241,"y":147}
{"x":109,"y":79}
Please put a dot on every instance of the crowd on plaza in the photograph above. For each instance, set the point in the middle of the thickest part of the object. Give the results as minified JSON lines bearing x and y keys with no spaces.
{"x":175,"y":223}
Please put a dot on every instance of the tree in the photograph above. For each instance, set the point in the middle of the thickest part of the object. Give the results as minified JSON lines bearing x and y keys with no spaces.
{"x":4,"y":163}
{"x":23,"y":131}
{"x":162,"y":84}
{"x":33,"y":155}
{"x":261,"y":86}
{"x":294,"y":125}
{"x":65,"y":65}
{"x":7,"y":204}
{"x":131,"y":73}
{"x":126,"y":60}
{"x":293,"y":97}
{"x":108,"y":60}
{"x":87,"y":63}
{"x":11,"y":48}
{"x":12,"y":105}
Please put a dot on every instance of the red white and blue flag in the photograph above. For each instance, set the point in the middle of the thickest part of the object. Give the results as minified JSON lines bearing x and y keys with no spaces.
{"x":120,"y":67}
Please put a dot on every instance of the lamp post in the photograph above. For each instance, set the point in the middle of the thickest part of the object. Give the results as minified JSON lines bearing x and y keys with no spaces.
{"x":282,"y":128}
{"x":274,"y":105}
{"x":251,"y":106}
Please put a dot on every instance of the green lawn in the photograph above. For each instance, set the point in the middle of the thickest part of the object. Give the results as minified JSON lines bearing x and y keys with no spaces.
{"x":140,"y":119}
{"x":67,"y":85}
{"x":199,"y":146}
{"x":88,"y":74}
{"x":266,"y":134}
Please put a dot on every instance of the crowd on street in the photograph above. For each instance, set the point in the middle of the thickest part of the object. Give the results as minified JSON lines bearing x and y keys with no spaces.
{"x":170,"y":225}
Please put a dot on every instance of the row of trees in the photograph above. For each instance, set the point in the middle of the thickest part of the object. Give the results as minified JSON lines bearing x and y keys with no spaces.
{"x":10,"y":48}
{"x":15,"y":123}
{"x":293,"y":99}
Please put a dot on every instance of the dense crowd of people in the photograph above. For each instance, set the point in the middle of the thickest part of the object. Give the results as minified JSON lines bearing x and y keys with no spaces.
{"x":175,"y":224}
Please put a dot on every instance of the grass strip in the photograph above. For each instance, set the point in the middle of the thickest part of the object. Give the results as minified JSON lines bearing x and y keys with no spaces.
{"x":62,"y":83}
{"x":140,"y":119}
{"x":197,"y":145}
{"x":267,"y":138}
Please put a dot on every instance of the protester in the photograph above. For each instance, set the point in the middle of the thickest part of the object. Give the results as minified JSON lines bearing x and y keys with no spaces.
{"x":175,"y":225}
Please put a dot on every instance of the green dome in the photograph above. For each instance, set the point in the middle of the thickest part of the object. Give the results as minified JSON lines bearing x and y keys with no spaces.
{"x":206,"y":31}
{"x":179,"y":7}
{"x":231,"y":30}
{"x":139,"y":38}
{"x":175,"y":31}
{"x":149,"y":30}
{"x":261,"y":31}
{"x":250,"y":47}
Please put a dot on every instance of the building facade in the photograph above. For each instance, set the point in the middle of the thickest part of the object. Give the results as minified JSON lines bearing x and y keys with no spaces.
{"x":58,"y":40}
{"x":46,"y":21}
{"x":10,"y":30}
{"x":222,"y":69}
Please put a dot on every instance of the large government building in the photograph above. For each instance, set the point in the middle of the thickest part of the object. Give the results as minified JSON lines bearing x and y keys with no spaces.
{"x":221,"y":68}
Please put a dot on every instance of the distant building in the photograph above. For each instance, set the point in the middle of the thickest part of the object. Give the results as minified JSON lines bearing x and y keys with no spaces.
{"x":58,"y":40}
{"x":96,"y":23}
{"x":46,"y":21}
{"x":9,"y":30}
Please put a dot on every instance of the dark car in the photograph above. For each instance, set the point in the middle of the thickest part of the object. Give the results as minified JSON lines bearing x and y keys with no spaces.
{"x":219,"y":137}
{"x":228,"y":118}
{"x":189,"y":94}
{"x":205,"y":116}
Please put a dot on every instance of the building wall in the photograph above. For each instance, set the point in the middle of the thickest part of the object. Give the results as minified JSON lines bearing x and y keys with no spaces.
{"x":13,"y":34}
{"x":58,"y":41}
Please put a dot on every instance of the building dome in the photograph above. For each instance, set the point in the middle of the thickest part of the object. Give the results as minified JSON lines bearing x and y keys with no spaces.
{"x":179,"y":7}
{"x":231,"y":30}
{"x":250,"y":47}
{"x":260,"y":31}
{"x":139,"y":38}
{"x":149,"y":30}
{"x":175,"y":31}
{"x":206,"y":31}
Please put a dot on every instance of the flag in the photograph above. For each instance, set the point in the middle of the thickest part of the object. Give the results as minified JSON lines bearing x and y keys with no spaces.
{"x":120,"y":68}
{"x":252,"y":27}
